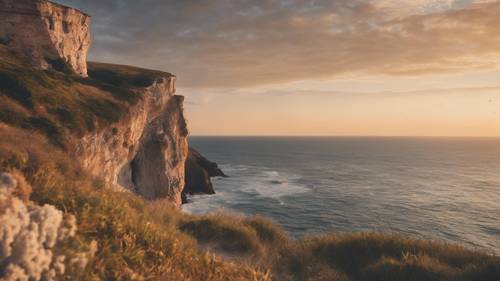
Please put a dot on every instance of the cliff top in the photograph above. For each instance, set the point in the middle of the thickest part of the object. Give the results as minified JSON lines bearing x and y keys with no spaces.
{"x":124,"y":75}
{"x":52,"y":102}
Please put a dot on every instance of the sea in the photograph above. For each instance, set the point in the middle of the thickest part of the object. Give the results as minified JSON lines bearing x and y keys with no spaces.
{"x":444,"y":189}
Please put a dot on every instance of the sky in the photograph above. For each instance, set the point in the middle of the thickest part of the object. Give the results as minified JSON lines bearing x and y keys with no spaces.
{"x":317,"y":67}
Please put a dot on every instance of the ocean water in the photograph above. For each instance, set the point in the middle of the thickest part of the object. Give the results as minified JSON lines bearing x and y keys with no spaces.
{"x":433,"y":188}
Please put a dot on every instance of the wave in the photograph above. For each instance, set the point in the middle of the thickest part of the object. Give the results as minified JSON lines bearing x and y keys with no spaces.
{"x":246,"y":184}
{"x":274,"y":184}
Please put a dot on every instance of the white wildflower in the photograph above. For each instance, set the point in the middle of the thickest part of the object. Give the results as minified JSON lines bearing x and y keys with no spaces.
{"x":28,"y":234}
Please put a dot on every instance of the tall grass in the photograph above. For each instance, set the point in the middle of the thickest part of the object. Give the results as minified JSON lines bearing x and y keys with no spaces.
{"x":349,"y":256}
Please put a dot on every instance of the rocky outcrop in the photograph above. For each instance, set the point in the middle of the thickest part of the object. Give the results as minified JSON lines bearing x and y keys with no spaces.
{"x":198,"y":171}
{"x":49,"y":35}
{"x":146,"y":150}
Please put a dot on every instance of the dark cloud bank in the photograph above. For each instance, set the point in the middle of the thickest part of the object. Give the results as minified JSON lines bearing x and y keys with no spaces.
{"x":235,"y":43}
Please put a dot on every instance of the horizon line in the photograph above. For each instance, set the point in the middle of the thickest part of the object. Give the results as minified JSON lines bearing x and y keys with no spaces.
{"x":348,"y":136}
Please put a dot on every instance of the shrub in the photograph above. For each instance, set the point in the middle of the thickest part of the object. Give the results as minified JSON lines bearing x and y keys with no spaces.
{"x":268,"y":231}
{"x":224,"y":233}
{"x":378,"y":257}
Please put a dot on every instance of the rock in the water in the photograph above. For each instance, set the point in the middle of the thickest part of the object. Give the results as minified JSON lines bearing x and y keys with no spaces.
{"x":198,"y":171}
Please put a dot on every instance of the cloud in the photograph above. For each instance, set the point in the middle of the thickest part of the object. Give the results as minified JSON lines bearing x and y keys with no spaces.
{"x":242,"y":43}
{"x":401,"y":8}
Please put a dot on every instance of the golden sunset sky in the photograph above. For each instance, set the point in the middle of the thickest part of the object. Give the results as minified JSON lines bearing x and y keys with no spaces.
{"x":297,"y":67}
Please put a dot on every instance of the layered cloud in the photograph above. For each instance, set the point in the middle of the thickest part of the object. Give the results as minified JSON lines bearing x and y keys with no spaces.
{"x":239,"y":43}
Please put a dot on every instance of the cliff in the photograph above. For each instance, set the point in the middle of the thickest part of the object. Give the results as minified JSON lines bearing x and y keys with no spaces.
{"x":48,"y":35}
{"x":145,"y":150}
{"x":124,"y":125}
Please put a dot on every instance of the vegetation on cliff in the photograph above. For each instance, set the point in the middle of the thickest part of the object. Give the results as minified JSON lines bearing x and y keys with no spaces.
{"x":133,"y":239}
{"x":56,"y":103}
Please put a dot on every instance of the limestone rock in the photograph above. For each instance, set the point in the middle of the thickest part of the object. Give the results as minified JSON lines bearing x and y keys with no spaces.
{"x":49,"y":35}
{"x":158,"y":167}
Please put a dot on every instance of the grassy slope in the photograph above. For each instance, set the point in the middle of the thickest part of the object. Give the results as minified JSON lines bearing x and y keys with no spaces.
{"x":55,"y":103}
{"x":138,"y":240}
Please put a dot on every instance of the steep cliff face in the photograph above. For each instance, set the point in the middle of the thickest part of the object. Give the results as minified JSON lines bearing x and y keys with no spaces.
{"x":49,"y":35}
{"x":158,"y":168}
{"x":145,"y":151}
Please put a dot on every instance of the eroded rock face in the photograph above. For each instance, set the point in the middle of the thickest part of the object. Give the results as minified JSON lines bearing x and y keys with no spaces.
{"x":157,"y":170}
{"x":49,"y":35}
{"x":146,"y":150}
